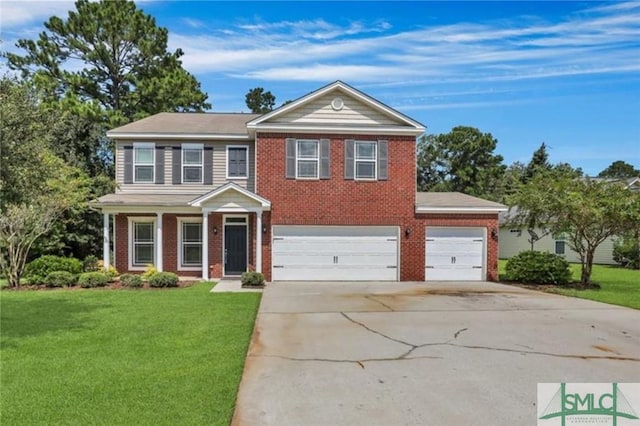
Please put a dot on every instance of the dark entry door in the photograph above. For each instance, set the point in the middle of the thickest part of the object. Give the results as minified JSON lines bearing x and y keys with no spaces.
{"x":235,"y":249}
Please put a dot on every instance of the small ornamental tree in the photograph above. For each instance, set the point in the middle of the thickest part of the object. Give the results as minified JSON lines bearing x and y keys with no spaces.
{"x":586,"y":211}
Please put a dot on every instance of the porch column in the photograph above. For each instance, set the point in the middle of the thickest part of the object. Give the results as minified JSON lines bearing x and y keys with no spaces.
{"x":259,"y":241}
{"x":205,"y":246}
{"x":159,"y":242}
{"x":105,"y":242}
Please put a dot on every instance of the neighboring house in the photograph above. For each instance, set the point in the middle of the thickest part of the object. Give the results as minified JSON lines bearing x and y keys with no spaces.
{"x":322,"y":188}
{"x":513,"y":240}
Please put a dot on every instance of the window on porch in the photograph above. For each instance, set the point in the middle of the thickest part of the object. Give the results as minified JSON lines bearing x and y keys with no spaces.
{"x":190,"y":240}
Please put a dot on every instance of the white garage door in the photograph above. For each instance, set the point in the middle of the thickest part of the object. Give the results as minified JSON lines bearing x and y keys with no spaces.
{"x":345,"y":253}
{"x":455,"y":254}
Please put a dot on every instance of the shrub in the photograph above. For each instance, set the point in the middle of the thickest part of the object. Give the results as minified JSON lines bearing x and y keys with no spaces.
{"x":149,"y":271}
{"x":252,"y":279}
{"x":112,"y":273}
{"x":60,"y":279}
{"x":536,"y":267}
{"x":37,"y":271}
{"x":626,"y":251}
{"x":90,"y":264}
{"x":93,"y":279}
{"x":163,"y":279}
{"x":131,"y":280}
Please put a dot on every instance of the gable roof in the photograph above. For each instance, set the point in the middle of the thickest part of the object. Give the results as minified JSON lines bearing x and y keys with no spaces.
{"x":231,"y":186}
{"x":405,"y":125}
{"x":184,"y":125}
{"x":455,"y":202}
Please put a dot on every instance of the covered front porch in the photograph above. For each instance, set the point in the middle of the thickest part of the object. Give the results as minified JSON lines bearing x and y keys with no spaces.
{"x":218,"y":234}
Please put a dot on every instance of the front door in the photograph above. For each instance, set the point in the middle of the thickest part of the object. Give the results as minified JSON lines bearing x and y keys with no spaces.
{"x":235,"y":249}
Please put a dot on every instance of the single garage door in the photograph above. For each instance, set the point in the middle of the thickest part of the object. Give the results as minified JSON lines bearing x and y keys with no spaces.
{"x":455,"y":254}
{"x":330,"y":253}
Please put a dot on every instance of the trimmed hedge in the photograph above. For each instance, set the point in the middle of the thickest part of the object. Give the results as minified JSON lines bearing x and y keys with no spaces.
{"x":163,"y":279}
{"x":252,"y":279}
{"x":36,"y":271}
{"x":60,"y":279}
{"x":93,"y":279}
{"x":131,"y":280}
{"x":536,"y":267}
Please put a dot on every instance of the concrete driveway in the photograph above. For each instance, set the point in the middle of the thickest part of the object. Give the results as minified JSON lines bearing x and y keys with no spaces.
{"x":425,"y":354}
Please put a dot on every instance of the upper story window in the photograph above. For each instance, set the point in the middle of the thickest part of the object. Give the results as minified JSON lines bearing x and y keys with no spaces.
{"x":143,"y":164}
{"x":366,"y":160}
{"x":237,"y":162}
{"x":192,"y":163}
{"x":307,"y":158}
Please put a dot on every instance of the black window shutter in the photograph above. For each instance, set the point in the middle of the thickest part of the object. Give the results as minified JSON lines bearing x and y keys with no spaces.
{"x":383,"y":160}
{"x":207,"y":165}
{"x":241,"y":162}
{"x":176,"y":164}
{"x":291,"y":158}
{"x":128,"y":164}
{"x":325,"y":172}
{"x":159,"y":164}
{"x":349,"y":164}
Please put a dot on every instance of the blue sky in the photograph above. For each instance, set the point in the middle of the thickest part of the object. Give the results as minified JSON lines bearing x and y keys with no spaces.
{"x":566,"y":73}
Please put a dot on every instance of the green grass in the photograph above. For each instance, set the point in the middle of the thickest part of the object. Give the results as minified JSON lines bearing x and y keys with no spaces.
{"x":619,"y":286}
{"x":172,"y":356}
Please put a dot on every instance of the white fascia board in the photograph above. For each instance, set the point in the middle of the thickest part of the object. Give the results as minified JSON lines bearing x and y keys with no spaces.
{"x":164,"y":136}
{"x":460,"y":210}
{"x":127,"y":208}
{"x":266,"y":204}
{"x":374,"y":103}
{"x":382,"y":130}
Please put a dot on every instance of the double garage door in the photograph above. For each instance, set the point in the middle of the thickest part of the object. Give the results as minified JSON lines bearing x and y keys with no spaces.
{"x":329,"y":253}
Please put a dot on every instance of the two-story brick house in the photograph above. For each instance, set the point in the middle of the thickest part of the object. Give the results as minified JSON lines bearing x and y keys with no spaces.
{"x":323,"y":188}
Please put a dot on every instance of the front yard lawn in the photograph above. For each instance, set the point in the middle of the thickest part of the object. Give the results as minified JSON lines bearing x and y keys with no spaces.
{"x":619,"y":286}
{"x":171,"y":356}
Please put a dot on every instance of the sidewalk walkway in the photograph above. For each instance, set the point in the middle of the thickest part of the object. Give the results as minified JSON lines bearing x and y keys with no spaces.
{"x":233,"y":286}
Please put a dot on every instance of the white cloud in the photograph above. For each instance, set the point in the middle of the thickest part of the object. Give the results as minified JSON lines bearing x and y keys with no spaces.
{"x":593,"y":41}
{"x":18,"y":13}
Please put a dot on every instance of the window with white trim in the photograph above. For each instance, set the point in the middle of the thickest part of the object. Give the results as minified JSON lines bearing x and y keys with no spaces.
{"x":366,"y":160}
{"x":192,"y":163}
{"x":237,"y":162}
{"x":190,"y":242}
{"x":560,"y":243}
{"x":143,"y":162}
{"x":142,"y":242}
{"x":307,"y":159}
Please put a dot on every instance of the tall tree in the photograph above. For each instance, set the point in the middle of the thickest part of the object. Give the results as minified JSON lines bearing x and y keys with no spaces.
{"x":259,"y":101}
{"x":462,"y":160}
{"x":109,"y":60}
{"x":619,"y":169}
{"x":539,"y":162}
{"x":36,"y":187}
{"x":587,"y":212}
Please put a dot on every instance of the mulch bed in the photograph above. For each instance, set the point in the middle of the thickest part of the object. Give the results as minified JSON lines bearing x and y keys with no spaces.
{"x":576,"y":285}
{"x":116,"y":285}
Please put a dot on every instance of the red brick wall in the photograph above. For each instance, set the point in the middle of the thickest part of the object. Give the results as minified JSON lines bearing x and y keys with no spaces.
{"x":335,"y":201}
{"x":349,"y":202}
